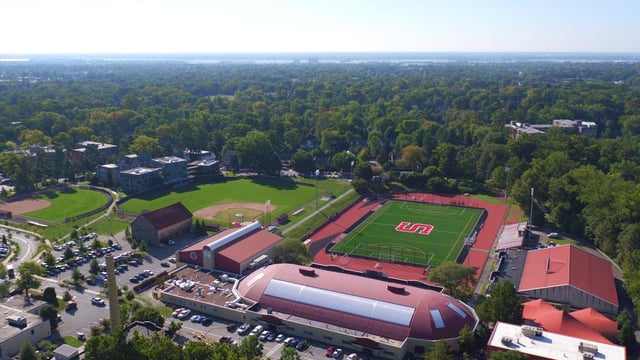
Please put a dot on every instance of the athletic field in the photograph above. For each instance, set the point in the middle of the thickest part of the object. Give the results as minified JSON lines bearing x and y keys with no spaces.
{"x":409,"y":232}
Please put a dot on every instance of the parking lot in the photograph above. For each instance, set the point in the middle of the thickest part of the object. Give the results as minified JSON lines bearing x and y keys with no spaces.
{"x":196,"y":326}
{"x":216,"y":330}
{"x":131,"y":268}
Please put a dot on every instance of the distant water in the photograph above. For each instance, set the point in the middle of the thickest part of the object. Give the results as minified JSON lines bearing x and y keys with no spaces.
{"x":335,"y":58}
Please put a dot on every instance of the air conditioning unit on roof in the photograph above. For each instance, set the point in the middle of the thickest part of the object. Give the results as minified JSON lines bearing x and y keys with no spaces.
{"x":528,"y":330}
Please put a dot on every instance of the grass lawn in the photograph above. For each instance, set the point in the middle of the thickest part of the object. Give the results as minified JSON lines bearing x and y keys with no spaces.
{"x":72,"y":340}
{"x":285,"y":196}
{"x":109,"y":225}
{"x":423,"y":234}
{"x":68,"y":203}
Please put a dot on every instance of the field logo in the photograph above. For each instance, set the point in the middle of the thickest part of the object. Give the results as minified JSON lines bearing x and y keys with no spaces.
{"x":423,"y":229}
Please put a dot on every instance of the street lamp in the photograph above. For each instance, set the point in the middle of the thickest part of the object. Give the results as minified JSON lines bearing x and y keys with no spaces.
{"x":506,"y":184}
{"x":317,"y":174}
{"x":531,"y":211}
{"x":267,"y":203}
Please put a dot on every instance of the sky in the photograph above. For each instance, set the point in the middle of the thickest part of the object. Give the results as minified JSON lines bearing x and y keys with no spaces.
{"x":272,"y":26}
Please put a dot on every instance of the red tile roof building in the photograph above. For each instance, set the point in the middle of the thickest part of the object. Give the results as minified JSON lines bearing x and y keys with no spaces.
{"x":587,"y":324}
{"x":159,"y":225}
{"x":233,"y":250}
{"x":571,"y":276}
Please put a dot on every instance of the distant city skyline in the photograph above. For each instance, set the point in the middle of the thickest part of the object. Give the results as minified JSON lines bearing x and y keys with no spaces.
{"x":256,"y":26}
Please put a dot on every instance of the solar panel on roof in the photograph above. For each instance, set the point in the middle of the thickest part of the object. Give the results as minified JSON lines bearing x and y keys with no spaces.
{"x":437,"y":318}
{"x":350,"y":304}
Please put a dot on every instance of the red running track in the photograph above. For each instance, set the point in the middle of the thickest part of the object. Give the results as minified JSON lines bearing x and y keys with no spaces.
{"x":477,"y":257}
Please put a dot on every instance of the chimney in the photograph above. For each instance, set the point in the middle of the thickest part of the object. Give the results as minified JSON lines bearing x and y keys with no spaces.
{"x":114,"y":304}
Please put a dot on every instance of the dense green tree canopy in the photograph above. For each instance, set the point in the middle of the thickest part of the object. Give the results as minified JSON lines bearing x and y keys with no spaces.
{"x":502,"y":305}
{"x":449,"y":118}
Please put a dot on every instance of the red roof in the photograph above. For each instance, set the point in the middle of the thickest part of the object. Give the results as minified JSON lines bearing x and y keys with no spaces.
{"x":569,"y":265}
{"x":595,"y":320}
{"x":249,"y":246}
{"x":541,"y":313}
{"x":535,"y":308}
{"x":167,"y":216}
{"x":324,"y":295}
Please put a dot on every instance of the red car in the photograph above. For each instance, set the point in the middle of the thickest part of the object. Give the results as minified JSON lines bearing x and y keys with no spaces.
{"x":329,"y":352}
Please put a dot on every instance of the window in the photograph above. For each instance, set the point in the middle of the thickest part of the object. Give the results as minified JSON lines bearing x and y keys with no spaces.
{"x":437,"y":318}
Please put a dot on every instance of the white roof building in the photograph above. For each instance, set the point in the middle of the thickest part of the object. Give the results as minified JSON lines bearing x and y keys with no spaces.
{"x":539,"y":344}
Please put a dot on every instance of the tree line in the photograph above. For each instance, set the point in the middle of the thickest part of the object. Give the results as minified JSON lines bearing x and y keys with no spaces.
{"x":439,"y":127}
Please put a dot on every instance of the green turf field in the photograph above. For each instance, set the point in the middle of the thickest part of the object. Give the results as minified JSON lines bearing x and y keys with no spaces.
{"x":377,"y":236}
{"x":68,"y":203}
{"x":284,"y":196}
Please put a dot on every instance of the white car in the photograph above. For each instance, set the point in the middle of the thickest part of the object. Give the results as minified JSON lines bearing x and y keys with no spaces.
{"x":352,"y":356}
{"x":280,"y":338}
{"x":184,"y":314}
{"x":97,"y":301}
{"x":256,"y":330}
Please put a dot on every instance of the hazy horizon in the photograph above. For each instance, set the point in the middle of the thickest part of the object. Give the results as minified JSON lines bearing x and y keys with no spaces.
{"x":331,"y":26}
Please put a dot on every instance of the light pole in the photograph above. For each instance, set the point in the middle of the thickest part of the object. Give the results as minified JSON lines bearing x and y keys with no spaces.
{"x":506,"y":184}
{"x":531,"y":211}
{"x":352,"y":163}
{"x":267,"y":203}
{"x":317,"y":174}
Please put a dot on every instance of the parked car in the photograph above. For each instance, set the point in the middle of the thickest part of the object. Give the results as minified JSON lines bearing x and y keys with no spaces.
{"x":280,"y":338}
{"x":293,"y":342}
{"x":244,"y":329}
{"x":330,"y":351}
{"x":256,"y":330}
{"x":97,"y":301}
{"x":184,"y":314}
{"x":205,"y":320}
{"x":164,"y":264}
{"x":302,"y":345}
{"x":264,"y":335}
{"x":71,"y":305}
{"x":176,"y":312}
{"x":337,"y":353}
